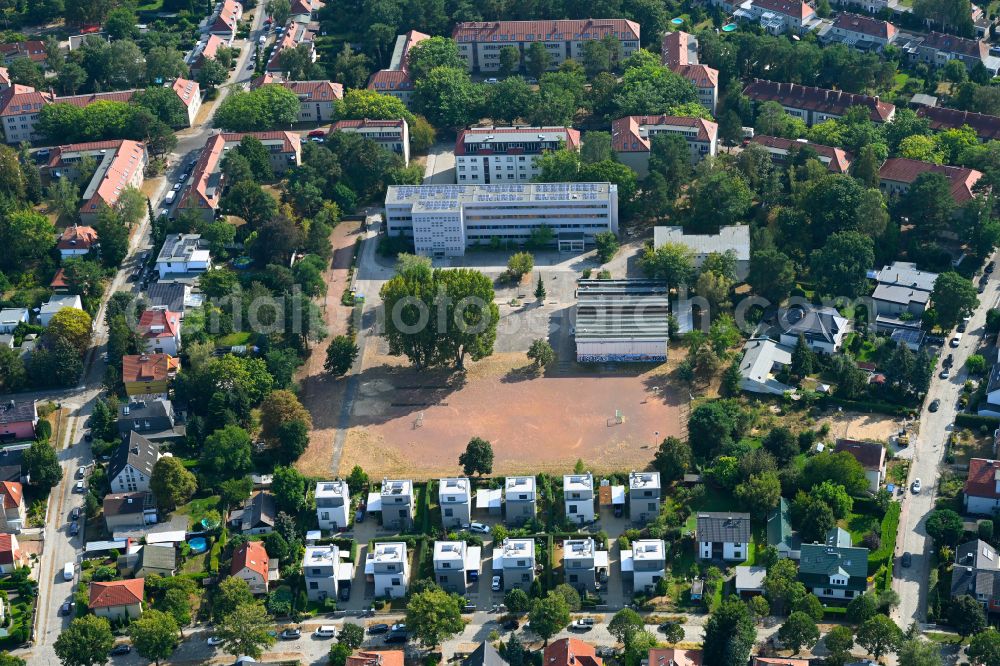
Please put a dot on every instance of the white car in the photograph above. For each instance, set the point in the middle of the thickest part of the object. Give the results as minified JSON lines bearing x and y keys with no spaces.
{"x":955,"y":340}
{"x":214,"y":640}
{"x":495,"y":585}
{"x":479,"y":527}
{"x":915,"y":487}
{"x":177,"y":186}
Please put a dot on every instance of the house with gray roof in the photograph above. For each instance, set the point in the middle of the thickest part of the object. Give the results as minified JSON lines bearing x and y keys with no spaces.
{"x":131,"y":465}
{"x":834,"y":569}
{"x":149,"y":559}
{"x":780,"y":533}
{"x":723,"y":536}
{"x":823,"y":328}
{"x":763,"y":359}
{"x":10,"y":318}
{"x":903,"y":288}
{"x":152,"y":417}
{"x":977,"y":574}
{"x":258,"y":514}
{"x":735,"y":239}
{"x":484,"y":655}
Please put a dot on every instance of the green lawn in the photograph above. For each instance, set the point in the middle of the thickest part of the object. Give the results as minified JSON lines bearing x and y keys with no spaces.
{"x":233,"y":339}
{"x":196,"y":509}
{"x":149,"y":6}
{"x":709,"y":502}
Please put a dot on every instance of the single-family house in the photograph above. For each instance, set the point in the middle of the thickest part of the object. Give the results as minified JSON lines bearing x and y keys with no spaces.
{"x":519,"y":499}
{"x":55,"y":304}
{"x":570,"y":652}
{"x":160,"y":329}
{"x":835,"y":569}
{"x":982,"y":487}
{"x":643,"y":496}
{"x":258,"y":514}
{"x":455,"y":499}
{"x":148,"y":374}
{"x":780,"y":534}
{"x":902,"y":288}
{"x":333,"y":505}
{"x":14,"y":516}
{"x":321,"y":567}
{"x":389,"y":568}
{"x":762,"y":360}
{"x":453,"y":563}
{"x":514,"y":562}
{"x":977,"y":574}
{"x":822,"y":327}
{"x":250,"y":562}
{"x":153,"y":417}
{"x":674,"y":657}
{"x":117,"y":600}
{"x":578,"y":495}
{"x":396,"y":504}
{"x":76,"y":241}
{"x":144,"y":561}
{"x":583,"y":564}
{"x":646,"y":561}
{"x":484,"y":655}
{"x":11,"y":555}
{"x":131,"y":465}
{"x":183,"y":254}
{"x":11,"y":318}
{"x":723,"y":536}
{"x":17,"y":420}
{"x":865,"y":33}
{"x":128,"y":511}
{"x":871,"y":455}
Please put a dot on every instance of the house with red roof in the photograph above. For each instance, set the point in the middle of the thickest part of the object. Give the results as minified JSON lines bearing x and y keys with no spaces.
{"x":861,"y":32}
{"x":205,"y":51}
{"x":570,"y":652}
{"x":987,"y":128}
{"x":898,"y":173}
{"x":377,"y":658}
{"x":982,"y":486}
{"x":479,"y":42}
{"x":395,"y":79}
{"x":13,"y":517}
{"x":11,"y":555}
{"x":148,"y":374}
{"x":392,"y":135}
{"x":296,"y":34}
{"x":316,"y":98}
{"x":225,"y":22}
{"x":5,"y":81}
{"x":251,"y":563}
{"x":121,"y":164}
{"x":76,"y":241}
{"x":33,"y":49}
{"x":816,"y":105}
{"x":674,"y":657}
{"x":837,"y":160}
{"x":117,"y":599}
{"x":19,"y":108}
{"x":189,"y":93}
{"x":679,"y":52}
{"x":161,"y":330}
{"x":507,"y":154}
{"x":631,"y":138}
{"x":304,"y":11}
{"x":59,"y":285}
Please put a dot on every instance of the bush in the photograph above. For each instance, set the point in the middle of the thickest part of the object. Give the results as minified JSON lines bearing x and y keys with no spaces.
{"x":43,"y":430}
{"x":879,"y":558}
{"x":977,"y":421}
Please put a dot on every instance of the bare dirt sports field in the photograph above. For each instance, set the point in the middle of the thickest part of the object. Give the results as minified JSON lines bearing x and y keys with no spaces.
{"x":417,"y":423}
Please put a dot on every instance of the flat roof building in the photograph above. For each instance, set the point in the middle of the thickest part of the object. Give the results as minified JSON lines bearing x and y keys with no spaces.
{"x":622,"y":320}
{"x":507,"y":154}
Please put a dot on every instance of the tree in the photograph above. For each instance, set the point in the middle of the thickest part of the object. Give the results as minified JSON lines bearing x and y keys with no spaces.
{"x":954,"y":297}
{"x":510,"y":59}
{"x":729,"y":634}
{"x":862,"y":608}
{"x":720,"y":198}
{"x":42,"y":464}
{"x":760,"y":493}
{"x":248,"y":201}
{"x":289,"y":489}
{"x":715,"y":425}
{"x":929,"y":203}
{"x":781,"y":585}
{"x":673,"y":458}
{"x":27,"y":236}
{"x":477,"y":458}
{"x":85,"y":642}
{"x":517,"y":601}
{"x":537,"y":60}
{"x":549,"y":615}
{"x":177,"y":602}
{"x":984,"y":648}
{"x":339,"y":654}
{"x":813,"y":517}
{"x":803,"y":359}
{"x":879,"y":635}
{"x":673,"y":632}
{"x":447,"y":97}
{"x":798,"y":631}
{"x":258,"y":157}
{"x":781,"y":444}
{"x":541,"y":353}
{"x":433,"y":616}
{"x":352,"y":635}
{"x":154,"y":635}
{"x":966,"y":615}
{"x":945,"y":527}
{"x":607,"y":245}
{"x":772,"y":274}
{"x":432,"y":53}
{"x":625,"y":624}
{"x":834,"y":496}
{"x":919,"y":652}
{"x":672,"y":262}
{"x":268,"y":107}
{"x":162,"y":64}
{"x":540,"y":289}
{"x":231,"y":593}
{"x":246,"y":630}
{"x":772,"y":120}
{"x":73,"y":326}
{"x":212,"y":74}
{"x":975,"y":364}
{"x":759,"y":607}
{"x":839,"y":468}
{"x":841,"y":265}
{"x":340,"y":355}
{"x":811,"y":606}
{"x":172,"y":484}
{"x":7,"y":659}
{"x":226,"y":454}
{"x":520,"y":264}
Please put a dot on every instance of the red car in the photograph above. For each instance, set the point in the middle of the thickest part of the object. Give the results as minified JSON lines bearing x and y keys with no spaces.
{"x":317,"y":133}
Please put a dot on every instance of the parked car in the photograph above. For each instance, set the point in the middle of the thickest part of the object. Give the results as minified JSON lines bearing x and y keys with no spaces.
{"x":177,"y":186}
{"x":945,"y":374}
{"x":933,"y":407}
{"x":121,"y":648}
{"x":359,"y":515}
{"x":915,"y":487}
{"x":907,"y":560}
{"x":75,"y":513}
{"x":989,"y":267}
{"x":491,"y":80}
{"x":398,"y":627}
{"x":326,"y":631}
{"x":214,"y":640}
{"x":619,"y":510}
{"x":316,"y":132}
{"x":81,"y":472}
{"x":67,"y":608}
{"x":379,"y":628}
{"x":479,"y":527}
{"x":74,"y":529}
{"x":290,"y":634}
{"x":79,"y":487}
{"x":344,"y":592}
{"x":397,"y":638}
{"x":495,"y":585}
{"x":955,"y":340}
{"x":949,"y":360}
{"x":584,"y":624}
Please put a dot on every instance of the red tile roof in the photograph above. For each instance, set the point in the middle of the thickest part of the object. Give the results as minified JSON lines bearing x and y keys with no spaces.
{"x":952,"y":44}
{"x":12,"y":493}
{"x":251,"y":555}
{"x":291,"y":141}
{"x":570,"y":652}
{"x":4,"y":76}
{"x":390,"y":79}
{"x":544,"y":30}
{"x":305,"y":7}
{"x":10,"y":550}
{"x":116,"y":593}
{"x":865,"y":25}
{"x":56,"y":158}
{"x":187,"y":91}
{"x":159,"y":323}
{"x":674,"y":49}
{"x":413,"y":38}
{"x":903,"y":170}
{"x":148,"y":367}
{"x":380,"y":658}
{"x":796,"y":8}
{"x":228,"y":17}
{"x":982,"y":480}
{"x":128,"y":160}
{"x":839,"y":159}
{"x":34,"y":49}
{"x":832,"y":102}
{"x":674,"y":657}
{"x":295,"y":35}
{"x":212,"y":45}
{"x":59,"y":280}
{"x":197,"y":196}
{"x":316,"y":90}
{"x":77,"y":238}
{"x":986,"y":127}
{"x":702,"y":76}
{"x":626,"y":134}
{"x":87,"y":100}
{"x":367,"y":122}
{"x":19,"y":99}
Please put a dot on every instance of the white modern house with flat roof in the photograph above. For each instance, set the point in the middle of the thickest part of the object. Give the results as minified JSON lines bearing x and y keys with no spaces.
{"x":647,"y":563}
{"x":182,"y":254}
{"x":389,"y":568}
{"x":11,"y":317}
{"x":324,"y":570}
{"x":455,"y":499}
{"x":583,"y":564}
{"x":453,"y":560}
{"x":333,"y":504}
{"x":735,"y":239}
{"x":396,"y":504}
{"x":444,"y":220}
{"x":520,"y":499}
{"x":578,"y":494}
{"x":55,"y":304}
{"x":514,"y":561}
{"x":643,"y":496}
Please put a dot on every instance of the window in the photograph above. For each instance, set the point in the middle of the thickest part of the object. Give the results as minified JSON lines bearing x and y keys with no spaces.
{"x":313,"y":585}
{"x":395,"y":581}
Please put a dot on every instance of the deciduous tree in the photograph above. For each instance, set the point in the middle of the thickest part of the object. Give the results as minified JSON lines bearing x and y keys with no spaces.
{"x":171,"y":482}
{"x":85,"y":642}
{"x":477,"y":458}
{"x":433,"y":616}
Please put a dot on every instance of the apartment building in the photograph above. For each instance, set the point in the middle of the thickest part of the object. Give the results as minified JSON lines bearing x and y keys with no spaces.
{"x":864,"y":33}
{"x":837,"y":160}
{"x":295,"y":34}
{"x":455,"y":500}
{"x":32,"y":49}
{"x":225,"y":22}
{"x":520,"y":499}
{"x":578,"y":495}
{"x":453,"y":561}
{"x":778,"y":16}
{"x":507,"y":154}
{"x":643,"y":496}
{"x":389,"y":568}
{"x":816,"y":105}
{"x":396,"y":504}
{"x":120,"y":165}
{"x":986,"y":127}
{"x":584,"y":565}
{"x":392,"y":135}
{"x":321,"y":569}
{"x":479,"y":43}
{"x":333,"y":505}
{"x":631,"y":138}
{"x":937,"y":48}
{"x":131,"y":465}
{"x":679,"y":52}
{"x":189,"y":93}
{"x":897,"y":174}
{"x":316,"y":98}
{"x":306,"y":10}
{"x":395,"y":80}
{"x":443,"y":220}
{"x":647,"y":563}
{"x":514,"y":561}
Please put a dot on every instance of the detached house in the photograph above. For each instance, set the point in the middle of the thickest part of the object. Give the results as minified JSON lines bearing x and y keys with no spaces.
{"x":124,"y":512}
{"x":455,"y":499}
{"x":131,"y":466}
{"x":643,"y":496}
{"x":453,"y":561}
{"x":977,"y":573}
{"x":871,"y":455}
{"x":76,"y":241}
{"x":570,"y":652}
{"x":389,"y":568}
{"x":723,"y":536}
{"x":250,"y":562}
{"x":14,"y":516}
{"x":982,"y":487}
{"x":861,"y":32}
{"x":324,"y":572}
{"x":822,"y":327}
{"x":902,"y":288}
{"x":647,"y":562}
{"x":333,"y":504}
{"x":780,"y":534}
{"x":184,"y":253}
{"x":160,"y":329}
{"x":519,"y":499}
{"x":117,"y":600}
{"x":583,"y":564}
{"x":154,"y":418}
{"x":835,"y":569}
{"x":258,"y":514}
{"x":578,"y":495}
{"x":11,"y":555}
{"x":396,"y":504}
{"x":148,"y":374}
{"x":514,"y":561}
{"x":17,"y":420}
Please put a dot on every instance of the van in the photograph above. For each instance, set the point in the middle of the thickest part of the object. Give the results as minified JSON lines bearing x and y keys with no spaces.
{"x":169,"y":199}
{"x":69,"y":571}
{"x":326,"y":631}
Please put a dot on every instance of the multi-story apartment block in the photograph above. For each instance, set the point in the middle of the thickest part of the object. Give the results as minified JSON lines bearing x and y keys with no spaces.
{"x":389,"y":568}
{"x":392,"y":135}
{"x":816,"y":105}
{"x":397,"y":504}
{"x":643,"y":496}
{"x":520,"y":500}
{"x":937,"y":48}
{"x":507,"y":154}
{"x":514,"y":560}
{"x":631,"y":138}
{"x":120,"y":164}
{"x":131,"y":465}
{"x":583,"y":564}
{"x":443,"y":220}
{"x":316,"y":98}
{"x":453,"y":560}
{"x":897,"y":174}
{"x":778,"y":16}
{"x":33,"y":49}
{"x":986,"y":127}
{"x":395,"y":80}
{"x":320,"y":568}
{"x":295,"y":34}
{"x":333,"y":504}
{"x":455,"y":499}
{"x":860,"y":32}
{"x":578,"y":495}
{"x":189,"y":93}
{"x":647,"y":560}
{"x":679,"y":52}
{"x":225,"y":22}
{"x":479,"y":43}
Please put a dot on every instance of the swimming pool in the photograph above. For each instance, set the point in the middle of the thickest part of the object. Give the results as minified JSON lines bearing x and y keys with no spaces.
{"x":677,"y":21}
{"x":729,"y":27}
{"x":198,"y":545}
